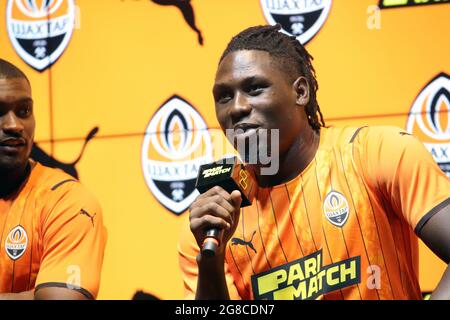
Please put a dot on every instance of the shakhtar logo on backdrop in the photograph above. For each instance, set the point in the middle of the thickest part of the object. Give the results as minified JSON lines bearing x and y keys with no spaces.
{"x":385,"y":4}
{"x":335,"y":208}
{"x":300,"y":18}
{"x":16,"y":242}
{"x":429,"y":120}
{"x":176,"y":143}
{"x":40,"y":30}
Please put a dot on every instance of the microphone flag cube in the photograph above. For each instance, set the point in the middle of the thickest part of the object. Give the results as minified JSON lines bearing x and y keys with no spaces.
{"x":230,"y":174}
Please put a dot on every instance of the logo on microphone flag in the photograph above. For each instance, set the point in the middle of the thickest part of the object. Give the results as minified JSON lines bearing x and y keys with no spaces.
{"x":429,"y":120}
{"x":40,"y":30}
{"x":302,"y":19}
{"x":176,"y":143}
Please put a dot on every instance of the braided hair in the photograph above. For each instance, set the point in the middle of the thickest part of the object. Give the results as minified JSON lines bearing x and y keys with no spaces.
{"x":289,"y":54}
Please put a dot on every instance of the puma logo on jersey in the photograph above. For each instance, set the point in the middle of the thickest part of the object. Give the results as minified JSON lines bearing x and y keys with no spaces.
{"x":84,"y":212}
{"x":402,"y":133}
{"x":237,"y":241}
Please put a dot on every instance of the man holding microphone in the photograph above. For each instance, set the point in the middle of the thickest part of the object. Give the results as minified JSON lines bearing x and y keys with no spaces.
{"x":341,"y":217}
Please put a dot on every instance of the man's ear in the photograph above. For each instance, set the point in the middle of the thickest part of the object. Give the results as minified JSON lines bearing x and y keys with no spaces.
{"x":301,"y":88}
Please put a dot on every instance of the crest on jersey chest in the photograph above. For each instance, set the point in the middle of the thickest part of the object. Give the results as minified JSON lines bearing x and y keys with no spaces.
{"x":16,"y":243}
{"x":336,"y":208}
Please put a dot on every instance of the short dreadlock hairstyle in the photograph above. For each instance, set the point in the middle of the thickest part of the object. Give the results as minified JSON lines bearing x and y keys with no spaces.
{"x":10,"y":71}
{"x":290,"y":55}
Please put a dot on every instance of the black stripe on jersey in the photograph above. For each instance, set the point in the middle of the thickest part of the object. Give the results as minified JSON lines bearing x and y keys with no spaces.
{"x":356,"y":133}
{"x":406,"y":231}
{"x":320,"y":196}
{"x":239,"y":270}
{"x":385,"y":209}
{"x":342,"y":228}
{"x":356,"y":215}
{"x":317,"y":178}
{"x":59,"y":184}
{"x":306,"y":210}
{"x":376,"y":224}
{"x":292,"y":220}
{"x":84,"y":292}
{"x":20,"y":223}
{"x":31,"y":254}
{"x":276,"y":224}
{"x":429,"y":215}
{"x":323,"y":230}
{"x":391,"y":223}
{"x":259,"y":230}
{"x":243,"y":236}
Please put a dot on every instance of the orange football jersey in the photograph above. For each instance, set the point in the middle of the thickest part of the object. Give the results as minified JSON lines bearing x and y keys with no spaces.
{"x":342,"y":229}
{"x":52,"y":234}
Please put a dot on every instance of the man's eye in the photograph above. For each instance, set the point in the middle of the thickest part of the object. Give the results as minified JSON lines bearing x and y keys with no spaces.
{"x":24,"y":112}
{"x":255,"y":89}
{"x":224,"y":98}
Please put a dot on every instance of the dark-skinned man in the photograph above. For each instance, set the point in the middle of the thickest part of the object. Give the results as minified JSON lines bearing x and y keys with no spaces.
{"x":51,"y":228}
{"x":341,"y":217}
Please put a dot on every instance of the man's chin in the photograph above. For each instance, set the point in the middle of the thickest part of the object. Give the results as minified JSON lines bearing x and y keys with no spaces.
{"x":12,"y":164}
{"x":256,"y":154}
{"x":250,"y":158}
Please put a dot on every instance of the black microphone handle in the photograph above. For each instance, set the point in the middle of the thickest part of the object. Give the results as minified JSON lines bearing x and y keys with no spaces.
{"x":213,"y":238}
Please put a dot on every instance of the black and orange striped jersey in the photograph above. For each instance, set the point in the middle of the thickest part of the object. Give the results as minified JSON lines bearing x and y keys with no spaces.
{"x":52,"y":234}
{"x":342,"y":229}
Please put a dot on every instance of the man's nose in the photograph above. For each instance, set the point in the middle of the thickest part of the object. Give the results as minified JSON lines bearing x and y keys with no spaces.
{"x":9,"y":123}
{"x":241,"y":107}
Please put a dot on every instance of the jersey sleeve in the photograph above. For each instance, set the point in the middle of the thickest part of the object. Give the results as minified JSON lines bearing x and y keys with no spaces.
{"x":73,"y":239}
{"x":405,"y":173}
{"x":187,"y":254}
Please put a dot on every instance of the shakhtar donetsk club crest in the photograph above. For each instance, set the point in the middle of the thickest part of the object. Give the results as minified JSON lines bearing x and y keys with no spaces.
{"x":176,"y":143}
{"x":40,"y":30}
{"x":300,"y":18}
{"x":16,"y":243}
{"x":335,"y":208}
{"x":429,"y":119}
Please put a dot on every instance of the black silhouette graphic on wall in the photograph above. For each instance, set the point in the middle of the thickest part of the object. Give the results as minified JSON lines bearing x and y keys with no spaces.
{"x":187,"y":10}
{"x":41,"y":156}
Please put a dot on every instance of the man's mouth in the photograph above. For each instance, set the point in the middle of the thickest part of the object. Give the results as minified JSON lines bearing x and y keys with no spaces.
{"x":245,"y":130}
{"x":12,"y":144}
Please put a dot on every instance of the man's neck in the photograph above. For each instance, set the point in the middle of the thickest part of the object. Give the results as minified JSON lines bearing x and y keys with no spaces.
{"x":294,"y":161}
{"x":12,"y":179}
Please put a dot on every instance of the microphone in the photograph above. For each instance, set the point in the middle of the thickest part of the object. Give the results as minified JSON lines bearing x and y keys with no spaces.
{"x":230,"y":174}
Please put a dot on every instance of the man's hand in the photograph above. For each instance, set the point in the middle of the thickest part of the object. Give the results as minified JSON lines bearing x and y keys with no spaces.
{"x":215,"y":208}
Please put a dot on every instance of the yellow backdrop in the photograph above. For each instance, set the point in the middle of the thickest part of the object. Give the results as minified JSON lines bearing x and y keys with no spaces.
{"x":127,"y":57}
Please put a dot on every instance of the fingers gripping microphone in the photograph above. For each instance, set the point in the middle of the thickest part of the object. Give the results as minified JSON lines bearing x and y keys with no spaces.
{"x":230,"y":174}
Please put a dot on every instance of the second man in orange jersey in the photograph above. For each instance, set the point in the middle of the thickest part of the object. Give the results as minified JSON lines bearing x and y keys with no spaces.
{"x":52,"y":236}
{"x":341,"y":217}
